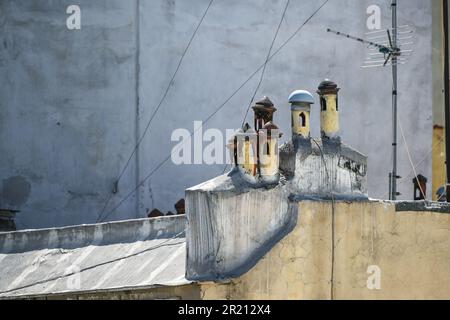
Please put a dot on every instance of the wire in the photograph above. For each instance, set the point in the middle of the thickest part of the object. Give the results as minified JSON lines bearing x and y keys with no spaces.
{"x":417,"y":165}
{"x":164,"y":243}
{"x":409,"y":157}
{"x":266,"y":61}
{"x":225,"y":169}
{"x":158,"y":106}
{"x":263,"y":71}
{"x":219,"y":107}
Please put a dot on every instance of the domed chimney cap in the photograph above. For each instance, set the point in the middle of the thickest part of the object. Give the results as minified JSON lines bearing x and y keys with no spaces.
{"x":301,"y":96}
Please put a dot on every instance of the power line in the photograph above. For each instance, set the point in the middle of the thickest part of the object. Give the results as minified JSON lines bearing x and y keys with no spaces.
{"x":163,"y":244}
{"x":409,"y":156}
{"x":265,"y":63}
{"x":404,"y":179}
{"x":264,"y":69}
{"x":158,"y":106}
{"x":225,"y":169}
{"x":219,"y":107}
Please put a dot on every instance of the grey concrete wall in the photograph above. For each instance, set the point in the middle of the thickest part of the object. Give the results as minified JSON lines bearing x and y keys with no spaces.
{"x":72,"y":103}
{"x":437,"y":66}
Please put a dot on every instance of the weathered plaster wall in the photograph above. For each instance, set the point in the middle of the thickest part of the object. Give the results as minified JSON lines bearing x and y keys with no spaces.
{"x":298,"y":267}
{"x":325,"y":166}
{"x":229,"y":230}
{"x":411,"y":248}
{"x":72,"y":103}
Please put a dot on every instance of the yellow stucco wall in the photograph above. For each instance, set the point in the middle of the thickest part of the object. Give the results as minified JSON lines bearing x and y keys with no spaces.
{"x":412,"y":250}
{"x":246,"y":157}
{"x":439,"y":171}
{"x":329,"y":119}
{"x":438,"y":59}
{"x":297,"y":127}
{"x":296,"y":268}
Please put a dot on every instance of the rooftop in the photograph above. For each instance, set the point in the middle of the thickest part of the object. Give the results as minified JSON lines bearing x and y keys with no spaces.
{"x":44,"y":261}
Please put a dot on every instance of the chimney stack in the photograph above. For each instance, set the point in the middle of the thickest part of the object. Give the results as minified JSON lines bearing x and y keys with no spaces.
{"x":301,"y":102}
{"x":329,"y":109}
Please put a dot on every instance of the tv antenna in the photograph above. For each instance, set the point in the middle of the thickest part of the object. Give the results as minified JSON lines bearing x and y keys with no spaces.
{"x":391,"y":50}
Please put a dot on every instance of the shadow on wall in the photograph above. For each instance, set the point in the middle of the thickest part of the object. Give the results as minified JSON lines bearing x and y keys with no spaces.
{"x":15,"y":192}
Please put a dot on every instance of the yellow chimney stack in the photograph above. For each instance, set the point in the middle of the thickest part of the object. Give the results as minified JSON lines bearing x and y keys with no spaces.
{"x":329,"y":109}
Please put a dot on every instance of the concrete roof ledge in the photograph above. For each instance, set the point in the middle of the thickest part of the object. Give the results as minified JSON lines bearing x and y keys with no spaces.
{"x":127,"y":231}
{"x":428,"y":206}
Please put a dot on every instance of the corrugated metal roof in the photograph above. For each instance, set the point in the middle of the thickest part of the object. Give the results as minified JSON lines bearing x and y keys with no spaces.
{"x":128,"y":254}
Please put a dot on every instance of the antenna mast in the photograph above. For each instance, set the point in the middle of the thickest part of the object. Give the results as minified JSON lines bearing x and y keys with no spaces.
{"x":381,"y":53}
{"x":394,"y":176}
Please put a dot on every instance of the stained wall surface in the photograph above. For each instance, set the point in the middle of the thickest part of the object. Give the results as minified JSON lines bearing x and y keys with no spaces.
{"x":410,"y":249}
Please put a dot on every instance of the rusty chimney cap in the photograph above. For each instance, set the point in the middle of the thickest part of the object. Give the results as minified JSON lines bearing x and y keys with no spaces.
{"x":265,"y":104}
{"x":155,"y":213}
{"x":265,"y":101}
{"x":179,"y":204}
{"x":327,"y":86}
{"x":270,"y":126}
